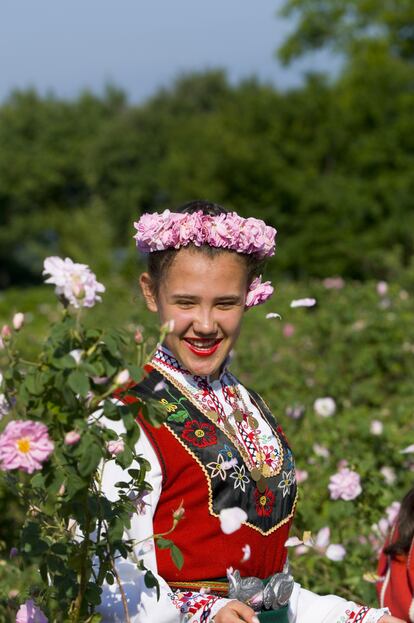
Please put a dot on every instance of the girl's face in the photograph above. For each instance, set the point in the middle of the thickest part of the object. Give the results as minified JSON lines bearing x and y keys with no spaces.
{"x":205,"y":297}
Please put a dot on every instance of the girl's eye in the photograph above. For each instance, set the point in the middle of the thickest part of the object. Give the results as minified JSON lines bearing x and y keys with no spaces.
{"x":185,"y":304}
{"x":225,"y":304}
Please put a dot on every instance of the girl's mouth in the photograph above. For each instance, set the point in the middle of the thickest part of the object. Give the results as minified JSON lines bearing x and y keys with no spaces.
{"x":202,"y":346}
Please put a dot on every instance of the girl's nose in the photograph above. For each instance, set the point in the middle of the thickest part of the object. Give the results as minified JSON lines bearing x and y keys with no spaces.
{"x":205,"y":323}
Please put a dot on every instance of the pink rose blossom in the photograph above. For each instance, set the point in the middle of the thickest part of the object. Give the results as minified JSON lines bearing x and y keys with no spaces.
{"x":258,"y":292}
{"x":288,"y":329}
{"x":25,"y":445}
{"x":382,"y":288}
{"x":345,"y":485}
{"x":76,"y":283}
{"x":138,"y":337}
{"x":301,"y":475}
{"x":333,"y":283}
{"x":30,"y":613}
{"x":115,"y":446}
{"x":5,"y":332}
{"x":392,"y":512}
{"x":72,"y":437}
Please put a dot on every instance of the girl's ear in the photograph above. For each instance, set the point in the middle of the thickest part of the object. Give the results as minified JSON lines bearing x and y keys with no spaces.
{"x":145,"y":283}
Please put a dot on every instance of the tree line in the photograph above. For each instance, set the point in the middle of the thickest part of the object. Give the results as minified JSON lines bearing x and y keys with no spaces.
{"x":329,"y":164}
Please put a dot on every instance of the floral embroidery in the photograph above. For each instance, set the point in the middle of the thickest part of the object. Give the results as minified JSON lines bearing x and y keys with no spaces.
{"x":286,"y":482}
{"x":240,"y":477}
{"x":227,"y":452}
{"x":268,"y":456}
{"x":189,"y":603}
{"x":218,"y":468}
{"x":169,"y":407}
{"x":200,"y":434}
{"x":264,"y":502}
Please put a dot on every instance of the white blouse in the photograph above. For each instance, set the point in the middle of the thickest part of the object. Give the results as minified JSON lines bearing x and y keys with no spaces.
{"x":143,"y":606}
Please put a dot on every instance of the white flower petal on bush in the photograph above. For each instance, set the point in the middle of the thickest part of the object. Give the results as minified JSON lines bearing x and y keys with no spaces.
{"x":1,"y":379}
{"x":323,"y":537}
{"x":293,"y":541}
{"x":76,"y":354}
{"x":18,"y":321}
{"x":122,"y":377}
{"x":320,"y":450}
{"x":273,"y":315}
{"x":324,"y":407}
{"x":388,"y":474}
{"x":75,"y":282}
{"x":335,"y":552}
{"x":306,"y":302}
{"x":408,"y":449}
{"x":231,"y":519}
{"x":4,"y":406}
{"x":377,"y":427}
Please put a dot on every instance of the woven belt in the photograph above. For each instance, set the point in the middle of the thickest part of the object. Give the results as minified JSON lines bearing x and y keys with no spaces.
{"x":221,"y":587}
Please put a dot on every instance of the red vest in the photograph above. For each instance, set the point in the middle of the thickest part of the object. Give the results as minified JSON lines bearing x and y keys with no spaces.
{"x":395,"y":589}
{"x":207,"y":551}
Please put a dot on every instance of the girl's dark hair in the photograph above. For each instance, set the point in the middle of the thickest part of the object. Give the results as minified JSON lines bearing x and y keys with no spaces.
{"x":405,"y":525}
{"x":160,"y":261}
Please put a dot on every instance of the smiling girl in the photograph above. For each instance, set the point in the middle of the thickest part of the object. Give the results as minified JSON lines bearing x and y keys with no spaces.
{"x":220,"y":450}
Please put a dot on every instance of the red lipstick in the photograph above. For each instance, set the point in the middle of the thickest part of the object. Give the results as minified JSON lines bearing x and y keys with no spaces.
{"x":203,"y":352}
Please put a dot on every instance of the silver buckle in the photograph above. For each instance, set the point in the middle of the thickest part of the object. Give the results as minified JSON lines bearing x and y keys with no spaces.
{"x":252,"y":591}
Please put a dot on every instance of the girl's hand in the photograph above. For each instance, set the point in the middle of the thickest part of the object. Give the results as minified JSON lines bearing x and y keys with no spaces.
{"x":237,"y":612}
{"x":387,"y":618}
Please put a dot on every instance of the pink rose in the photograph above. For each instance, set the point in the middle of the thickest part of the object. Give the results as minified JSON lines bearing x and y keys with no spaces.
{"x":258,"y":292}
{"x":71,"y":438}
{"x":345,"y":485}
{"x":115,"y":447}
{"x":30,"y":613}
{"x":25,"y":445}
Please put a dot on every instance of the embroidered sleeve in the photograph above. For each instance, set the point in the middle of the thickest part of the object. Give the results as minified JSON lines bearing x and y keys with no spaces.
{"x":196,"y":607}
{"x":307,"y":607}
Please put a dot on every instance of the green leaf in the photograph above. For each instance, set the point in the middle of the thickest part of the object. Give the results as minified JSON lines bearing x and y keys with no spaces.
{"x":124,"y":459}
{"x":64,"y":362}
{"x":78,"y":382}
{"x":152,"y":582}
{"x":136,"y":373}
{"x":164,"y":543}
{"x":180,"y":416}
{"x":38,"y":481}
{"x":34,"y":384}
{"x":177,"y":556}
{"x":89,"y":459}
{"x":109,"y":578}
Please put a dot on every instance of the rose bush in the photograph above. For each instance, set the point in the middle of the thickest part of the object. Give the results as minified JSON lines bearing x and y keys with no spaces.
{"x":53,"y":450}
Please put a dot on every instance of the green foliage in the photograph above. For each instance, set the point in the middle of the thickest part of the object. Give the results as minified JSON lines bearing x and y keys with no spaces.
{"x":347,"y":25}
{"x":329,"y":165}
{"x":64,"y":521}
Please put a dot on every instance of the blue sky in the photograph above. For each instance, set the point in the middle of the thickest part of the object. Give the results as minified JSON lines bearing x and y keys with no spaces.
{"x":139,"y":45}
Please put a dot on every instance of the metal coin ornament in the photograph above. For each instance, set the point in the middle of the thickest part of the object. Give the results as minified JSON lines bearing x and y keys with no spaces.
{"x":253,"y":423}
{"x":213,"y":415}
{"x":238,"y":415}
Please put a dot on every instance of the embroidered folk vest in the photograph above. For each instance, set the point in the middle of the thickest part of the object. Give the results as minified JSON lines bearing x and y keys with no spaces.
{"x":202,"y":466}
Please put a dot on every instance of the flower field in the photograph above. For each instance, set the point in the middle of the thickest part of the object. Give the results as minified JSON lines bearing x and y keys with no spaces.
{"x":337,"y":373}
